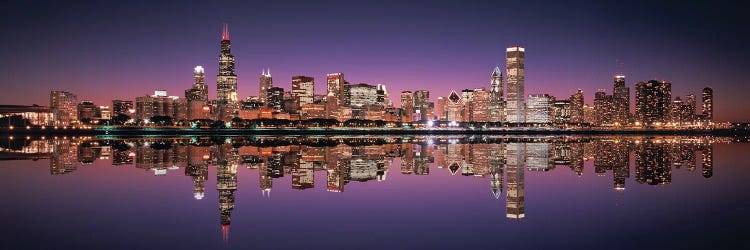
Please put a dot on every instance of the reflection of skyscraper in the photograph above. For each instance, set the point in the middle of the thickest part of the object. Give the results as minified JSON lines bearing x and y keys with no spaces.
{"x":707,"y":167}
{"x":336,"y":169}
{"x":652,"y":162}
{"x":407,"y":160}
{"x":302,"y":173}
{"x":199,"y":174}
{"x":496,"y":180}
{"x":515,"y":104}
{"x":226,"y":184}
{"x":265,"y":176}
{"x":537,"y":156}
{"x":64,"y":157}
{"x":514,"y":206}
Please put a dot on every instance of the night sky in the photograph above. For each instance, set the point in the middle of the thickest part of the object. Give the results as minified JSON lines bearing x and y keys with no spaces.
{"x":122,"y":49}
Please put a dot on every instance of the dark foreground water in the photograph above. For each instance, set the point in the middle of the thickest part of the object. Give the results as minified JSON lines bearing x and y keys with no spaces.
{"x":374,"y":193}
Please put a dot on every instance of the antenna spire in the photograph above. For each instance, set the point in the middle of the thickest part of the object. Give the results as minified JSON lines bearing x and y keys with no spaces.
{"x":225,"y":33}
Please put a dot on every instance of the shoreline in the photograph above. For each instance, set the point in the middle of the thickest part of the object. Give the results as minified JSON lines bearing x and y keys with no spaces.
{"x":366,"y":131}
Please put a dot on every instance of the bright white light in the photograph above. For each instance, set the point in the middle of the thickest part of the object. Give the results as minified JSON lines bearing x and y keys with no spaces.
{"x":199,"y":69}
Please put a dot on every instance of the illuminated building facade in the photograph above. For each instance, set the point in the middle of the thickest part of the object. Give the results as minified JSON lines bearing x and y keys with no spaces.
{"x":264,"y":83}
{"x":620,"y":101}
{"x":538,"y":108}
{"x":707,"y":99}
{"x":496,"y":103}
{"x":335,"y":86}
{"x":303,"y":91}
{"x":652,"y":102}
{"x":64,"y":106}
{"x":576,"y":107}
{"x":561,"y":111}
{"x":121,"y":107}
{"x":407,"y":104}
{"x":480,"y":104}
{"x":454,"y":107}
{"x":514,"y":96}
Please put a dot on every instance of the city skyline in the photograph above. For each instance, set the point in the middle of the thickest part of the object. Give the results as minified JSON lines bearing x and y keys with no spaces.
{"x":462,"y":65}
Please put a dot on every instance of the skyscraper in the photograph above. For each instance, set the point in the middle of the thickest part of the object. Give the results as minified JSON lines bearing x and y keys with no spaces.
{"x":121,"y":107}
{"x":453,"y":107}
{"x":275,"y":99}
{"x":335,"y":86}
{"x":539,"y":107}
{"x":480,"y":106}
{"x":514,"y":167}
{"x":197,"y":96}
{"x":620,"y":101}
{"x":302,"y":91}
{"x":422,"y":104}
{"x":265,"y":83}
{"x":496,"y":102}
{"x":515,"y":104}
{"x":576,"y":107}
{"x":65,"y":107}
{"x":708,"y":104}
{"x":226,"y":80}
{"x":440,"y":108}
{"x":199,"y":91}
{"x":604,"y":108}
{"x":407,"y":104}
{"x":652,"y":102}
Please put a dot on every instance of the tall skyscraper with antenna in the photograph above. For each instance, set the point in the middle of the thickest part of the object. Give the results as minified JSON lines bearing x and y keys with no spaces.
{"x":266,"y":83}
{"x":226,"y":80}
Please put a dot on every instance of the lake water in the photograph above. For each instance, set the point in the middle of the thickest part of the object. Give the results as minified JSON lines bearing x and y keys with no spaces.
{"x":420,"y":192}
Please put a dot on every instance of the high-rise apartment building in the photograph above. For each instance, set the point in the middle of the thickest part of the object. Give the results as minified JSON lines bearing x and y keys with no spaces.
{"x":653,"y":102}
{"x":64,"y":105}
{"x":621,"y":101}
{"x":576,"y":107}
{"x":707,"y":99}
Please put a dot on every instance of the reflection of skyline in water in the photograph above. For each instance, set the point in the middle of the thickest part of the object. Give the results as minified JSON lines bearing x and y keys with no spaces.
{"x":502,"y":161}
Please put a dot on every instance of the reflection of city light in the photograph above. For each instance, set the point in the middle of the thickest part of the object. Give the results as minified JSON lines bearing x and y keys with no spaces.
{"x":206,"y":157}
{"x":199,"y":195}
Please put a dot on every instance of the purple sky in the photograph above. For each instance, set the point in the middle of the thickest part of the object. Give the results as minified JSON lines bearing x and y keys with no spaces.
{"x":103,"y":50}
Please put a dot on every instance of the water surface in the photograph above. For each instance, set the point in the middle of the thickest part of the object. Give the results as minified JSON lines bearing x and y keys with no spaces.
{"x":438,"y":192}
